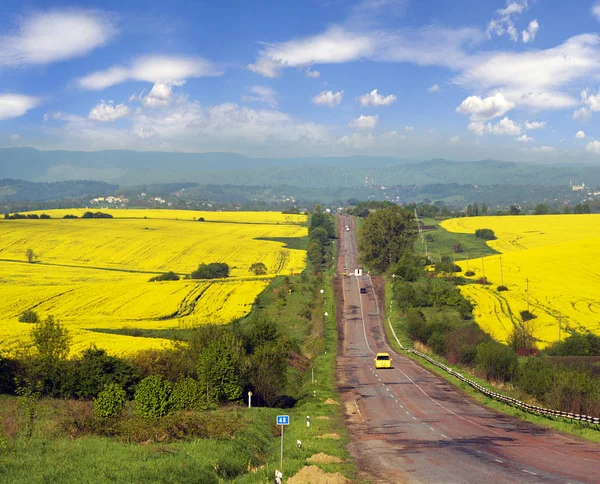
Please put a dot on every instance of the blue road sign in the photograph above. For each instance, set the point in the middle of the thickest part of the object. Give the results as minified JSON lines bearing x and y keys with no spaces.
{"x":283,"y":419}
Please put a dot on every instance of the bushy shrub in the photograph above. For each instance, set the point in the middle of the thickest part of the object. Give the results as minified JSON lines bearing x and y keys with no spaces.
{"x":152,"y":397}
{"x":258,"y":269}
{"x":70,"y":216}
{"x":469,"y":273}
{"x":187,"y":395}
{"x":110,"y":401}
{"x":89,"y":374}
{"x":29,"y":316}
{"x":501,"y":288}
{"x":485,"y":234}
{"x":527,"y":315}
{"x":213,"y":270}
{"x":167,"y":276}
{"x":45,"y":216}
{"x":577,"y":344}
{"x":497,"y":361}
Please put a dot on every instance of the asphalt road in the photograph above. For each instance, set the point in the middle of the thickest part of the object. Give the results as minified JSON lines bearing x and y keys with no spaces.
{"x":409,"y":425}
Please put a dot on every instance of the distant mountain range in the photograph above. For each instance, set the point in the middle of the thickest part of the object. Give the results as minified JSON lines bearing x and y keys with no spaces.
{"x":125,"y":167}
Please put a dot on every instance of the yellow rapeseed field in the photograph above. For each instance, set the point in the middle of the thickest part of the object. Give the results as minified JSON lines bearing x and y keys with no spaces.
{"x":93,"y":274}
{"x":557,"y":256}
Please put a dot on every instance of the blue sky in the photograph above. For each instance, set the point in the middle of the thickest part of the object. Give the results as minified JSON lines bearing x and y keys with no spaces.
{"x":513,"y":80}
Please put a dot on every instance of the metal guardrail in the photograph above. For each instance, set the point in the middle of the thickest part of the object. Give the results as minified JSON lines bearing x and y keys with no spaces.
{"x":498,"y":396}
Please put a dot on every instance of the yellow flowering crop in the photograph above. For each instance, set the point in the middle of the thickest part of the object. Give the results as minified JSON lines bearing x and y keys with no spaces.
{"x":558,"y":256}
{"x":93,"y":274}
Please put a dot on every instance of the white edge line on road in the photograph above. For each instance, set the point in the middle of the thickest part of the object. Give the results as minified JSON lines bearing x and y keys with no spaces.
{"x":358,"y":410}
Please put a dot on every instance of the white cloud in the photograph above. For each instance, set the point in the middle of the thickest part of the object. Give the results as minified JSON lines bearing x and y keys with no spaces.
{"x":56,"y":35}
{"x":582,"y":115}
{"x":528,"y":35}
{"x":263,"y":94}
{"x":593,"y":147}
{"x":155,"y":69}
{"x":580,"y":135}
{"x":15,"y":137}
{"x":409,"y":128}
{"x":454,"y":139}
{"x":524,"y":138}
{"x":373,"y":98}
{"x":535,"y":125}
{"x":15,"y":105}
{"x":477,"y":127}
{"x":314,"y":74}
{"x":434,"y":88}
{"x":542,"y":149}
{"x":596,"y":11}
{"x":503,"y":23}
{"x":161,"y":95}
{"x":328,"y":98}
{"x":108,"y":112}
{"x":532,"y":78}
{"x":363,"y":140}
{"x":504,"y":126}
{"x":364,"y":122}
{"x":333,"y":46}
{"x":591,"y":100}
{"x":482,"y":109}
{"x":189,"y":126}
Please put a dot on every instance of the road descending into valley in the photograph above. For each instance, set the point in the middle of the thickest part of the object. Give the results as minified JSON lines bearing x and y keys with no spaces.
{"x":409,"y":425}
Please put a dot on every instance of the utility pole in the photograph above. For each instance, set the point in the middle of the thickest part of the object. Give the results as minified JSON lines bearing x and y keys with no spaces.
{"x":501,"y":273}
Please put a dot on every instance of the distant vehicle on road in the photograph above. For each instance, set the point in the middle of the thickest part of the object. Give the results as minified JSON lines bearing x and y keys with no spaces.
{"x":347,"y":229}
{"x":383,"y":360}
{"x":363,"y":290}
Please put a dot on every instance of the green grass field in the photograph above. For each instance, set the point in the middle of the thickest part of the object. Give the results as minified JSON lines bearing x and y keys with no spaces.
{"x":444,"y":241}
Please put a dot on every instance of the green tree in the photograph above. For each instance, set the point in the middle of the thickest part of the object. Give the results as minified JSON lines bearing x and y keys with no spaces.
{"x":320,"y":234}
{"x":220,"y":369}
{"x":514,"y":210}
{"x":51,"y":340}
{"x":268,"y":373}
{"x":385,"y":236}
{"x":30,"y":254}
{"x":484,"y":209}
{"x":541,"y":209}
{"x":214,"y":270}
{"x":566,"y":210}
{"x":258,"y":269}
{"x":582,"y":208}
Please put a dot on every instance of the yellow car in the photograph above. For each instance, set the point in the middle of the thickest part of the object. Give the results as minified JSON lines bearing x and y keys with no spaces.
{"x":383,"y":360}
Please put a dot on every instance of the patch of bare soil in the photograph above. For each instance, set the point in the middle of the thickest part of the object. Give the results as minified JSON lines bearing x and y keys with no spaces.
{"x":314,"y":475}
{"x":329,"y":436}
{"x":322,"y":458}
{"x":323,"y":417}
{"x":330,"y":401}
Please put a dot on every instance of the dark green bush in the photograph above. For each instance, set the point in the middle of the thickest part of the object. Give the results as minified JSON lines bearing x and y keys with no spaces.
{"x":167,"y":276}
{"x":497,"y":361}
{"x":501,"y":288}
{"x":29,"y":316}
{"x":214,"y":270}
{"x":152,"y":397}
{"x":485,"y":234}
